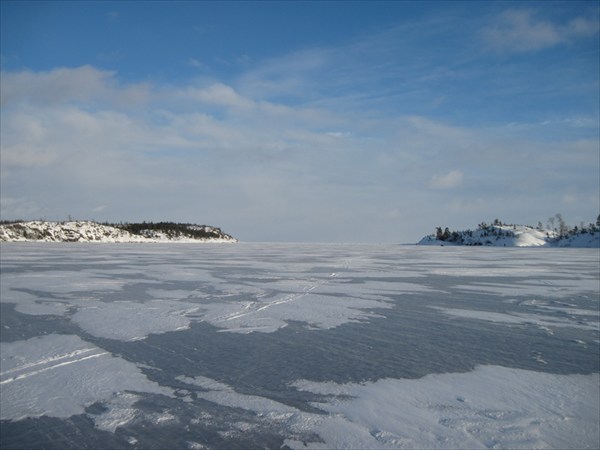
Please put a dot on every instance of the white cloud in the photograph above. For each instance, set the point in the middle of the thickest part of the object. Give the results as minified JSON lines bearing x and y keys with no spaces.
{"x":66,"y":85}
{"x":451,"y":180}
{"x":220,"y":154}
{"x":221,"y":95}
{"x":55,"y":86}
{"x":521,"y":31}
{"x":583,"y":26}
{"x":339,"y":134}
{"x":193,"y":62}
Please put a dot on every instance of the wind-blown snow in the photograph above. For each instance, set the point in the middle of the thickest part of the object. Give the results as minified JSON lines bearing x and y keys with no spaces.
{"x":491,"y":407}
{"x":59,"y":375}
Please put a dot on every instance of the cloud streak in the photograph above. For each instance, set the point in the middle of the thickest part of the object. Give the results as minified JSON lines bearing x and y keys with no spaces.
{"x":521,"y":31}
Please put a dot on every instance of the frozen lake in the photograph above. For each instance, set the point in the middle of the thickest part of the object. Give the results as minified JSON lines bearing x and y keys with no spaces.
{"x":298,"y":346}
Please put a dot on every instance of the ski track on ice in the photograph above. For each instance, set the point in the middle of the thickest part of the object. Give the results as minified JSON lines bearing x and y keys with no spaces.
{"x":53,"y":363}
{"x":287,"y":299}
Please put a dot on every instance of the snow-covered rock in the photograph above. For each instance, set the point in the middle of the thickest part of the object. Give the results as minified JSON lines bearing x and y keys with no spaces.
{"x":514,"y":236}
{"x":581,"y":240}
{"x":87,"y":231}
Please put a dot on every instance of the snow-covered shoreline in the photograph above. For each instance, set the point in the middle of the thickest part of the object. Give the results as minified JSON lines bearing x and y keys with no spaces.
{"x":513,"y":236}
{"x":92,"y":232}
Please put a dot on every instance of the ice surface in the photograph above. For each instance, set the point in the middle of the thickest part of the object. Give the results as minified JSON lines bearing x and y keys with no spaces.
{"x":59,"y":375}
{"x":225,"y":395}
{"x":539,"y":287}
{"x":321,"y":300}
{"x":309,"y":346}
{"x":520,"y":318}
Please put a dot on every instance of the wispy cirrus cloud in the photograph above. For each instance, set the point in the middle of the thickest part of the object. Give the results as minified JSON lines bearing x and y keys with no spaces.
{"x":517,"y":30}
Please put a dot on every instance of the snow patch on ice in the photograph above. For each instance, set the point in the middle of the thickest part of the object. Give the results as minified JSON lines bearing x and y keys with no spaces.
{"x":131,"y":321}
{"x":269,"y":315}
{"x":490,"y":407}
{"x":120,"y":411}
{"x":60,"y":375}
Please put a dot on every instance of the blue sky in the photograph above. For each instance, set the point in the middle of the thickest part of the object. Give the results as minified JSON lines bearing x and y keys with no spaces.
{"x":301,"y":121}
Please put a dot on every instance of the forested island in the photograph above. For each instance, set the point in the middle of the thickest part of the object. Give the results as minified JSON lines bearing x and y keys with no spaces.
{"x":556,"y":233}
{"x":90,"y":231}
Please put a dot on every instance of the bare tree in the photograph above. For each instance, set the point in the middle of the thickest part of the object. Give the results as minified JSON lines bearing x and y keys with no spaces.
{"x":563,"y":228}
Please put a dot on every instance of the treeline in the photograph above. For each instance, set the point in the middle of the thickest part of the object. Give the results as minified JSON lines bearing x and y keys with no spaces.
{"x":483,"y":230}
{"x":150,"y":229}
{"x":171,"y":229}
{"x":555,"y":224}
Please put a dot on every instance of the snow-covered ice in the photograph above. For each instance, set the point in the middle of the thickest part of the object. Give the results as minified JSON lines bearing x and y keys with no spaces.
{"x":298,"y":346}
{"x":59,"y":375}
{"x":490,"y":407}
